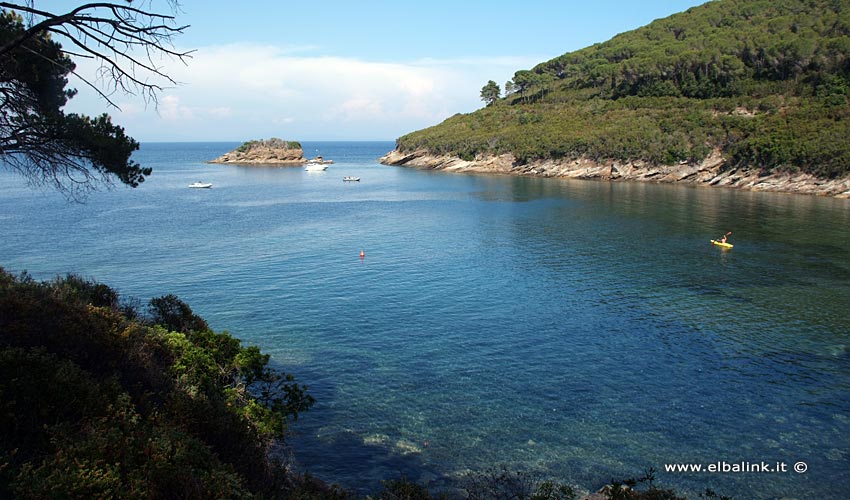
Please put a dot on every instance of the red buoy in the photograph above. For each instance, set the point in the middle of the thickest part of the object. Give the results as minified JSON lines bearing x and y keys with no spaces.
{"x":362,"y":254}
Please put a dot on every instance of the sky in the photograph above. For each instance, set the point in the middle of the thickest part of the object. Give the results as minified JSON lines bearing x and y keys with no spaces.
{"x":343,"y":70}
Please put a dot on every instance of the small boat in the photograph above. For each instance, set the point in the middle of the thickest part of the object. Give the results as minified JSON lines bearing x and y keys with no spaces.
{"x":200,"y":185}
{"x":722,"y":244}
{"x":349,"y":178}
{"x":315,"y":167}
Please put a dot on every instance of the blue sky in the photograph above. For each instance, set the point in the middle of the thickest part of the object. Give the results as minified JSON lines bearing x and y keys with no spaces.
{"x":368,"y":70}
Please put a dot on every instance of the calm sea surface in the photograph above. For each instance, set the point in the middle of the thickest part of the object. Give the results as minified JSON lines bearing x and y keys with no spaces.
{"x":585,"y":330}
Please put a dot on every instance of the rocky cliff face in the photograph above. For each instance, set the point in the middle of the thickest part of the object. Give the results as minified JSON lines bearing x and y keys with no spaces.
{"x":713,"y":171}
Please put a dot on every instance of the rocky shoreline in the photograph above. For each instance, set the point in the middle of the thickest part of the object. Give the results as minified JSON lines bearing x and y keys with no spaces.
{"x":268,"y":152}
{"x":263,"y":156}
{"x":713,"y":171}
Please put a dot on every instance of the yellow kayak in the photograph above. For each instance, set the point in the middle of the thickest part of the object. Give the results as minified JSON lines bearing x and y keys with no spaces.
{"x":721,"y":244}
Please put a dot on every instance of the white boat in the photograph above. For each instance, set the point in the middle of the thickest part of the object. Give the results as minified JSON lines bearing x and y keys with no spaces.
{"x":200,"y":185}
{"x":351,"y":179}
{"x":315,"y":167}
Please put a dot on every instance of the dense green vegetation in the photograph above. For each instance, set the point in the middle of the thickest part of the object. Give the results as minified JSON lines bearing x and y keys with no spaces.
{"x":273,"y":143}
{"x":764,"y":81}
{"x":97,"y":401}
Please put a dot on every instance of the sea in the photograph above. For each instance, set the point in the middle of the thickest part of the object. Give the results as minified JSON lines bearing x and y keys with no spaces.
{"x":581,"y":331}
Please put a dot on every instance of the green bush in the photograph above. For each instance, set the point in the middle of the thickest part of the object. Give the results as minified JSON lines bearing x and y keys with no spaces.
{"x":273,"y":143}
{"x":96,"y":404}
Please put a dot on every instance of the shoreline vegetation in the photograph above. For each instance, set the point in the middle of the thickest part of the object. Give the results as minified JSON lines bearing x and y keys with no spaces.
{"x":272,"y":151}
{"x":739,"y":93}
{"x":101,"y":397}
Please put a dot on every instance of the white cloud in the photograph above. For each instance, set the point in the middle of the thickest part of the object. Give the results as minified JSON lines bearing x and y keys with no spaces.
{"x":360,"y":107}
{"x":240,"y":91}
{"x":170,"y":109}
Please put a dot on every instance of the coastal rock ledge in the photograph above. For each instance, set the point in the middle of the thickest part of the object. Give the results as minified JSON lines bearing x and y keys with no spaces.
{"x":713,"y":171}
{"x":265,"y":152}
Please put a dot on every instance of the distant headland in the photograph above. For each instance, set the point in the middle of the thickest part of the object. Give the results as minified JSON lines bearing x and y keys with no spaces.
{"x":272,"y":151}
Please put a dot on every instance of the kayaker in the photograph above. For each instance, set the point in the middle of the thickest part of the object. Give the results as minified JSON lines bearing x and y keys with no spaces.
{"x":723,"y":238}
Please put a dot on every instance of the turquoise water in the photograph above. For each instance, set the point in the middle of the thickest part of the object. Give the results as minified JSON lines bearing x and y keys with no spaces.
{"x":585,"y":330}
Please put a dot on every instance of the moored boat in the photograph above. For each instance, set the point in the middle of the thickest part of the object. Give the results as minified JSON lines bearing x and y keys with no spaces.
{"x":314,"y":167}
{"x":200,"y":185}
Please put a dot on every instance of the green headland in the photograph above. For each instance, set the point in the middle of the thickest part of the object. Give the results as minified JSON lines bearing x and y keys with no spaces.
{"x":747,"y":93}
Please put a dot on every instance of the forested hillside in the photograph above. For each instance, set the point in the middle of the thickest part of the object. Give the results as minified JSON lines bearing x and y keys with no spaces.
{"x":765,"y":82}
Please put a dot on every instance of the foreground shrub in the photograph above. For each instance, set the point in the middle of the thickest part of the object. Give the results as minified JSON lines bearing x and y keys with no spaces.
{"x":95,"y":403}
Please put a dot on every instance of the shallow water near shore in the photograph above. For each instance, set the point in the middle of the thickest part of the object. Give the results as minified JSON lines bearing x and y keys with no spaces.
{"x":585,"y":330}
